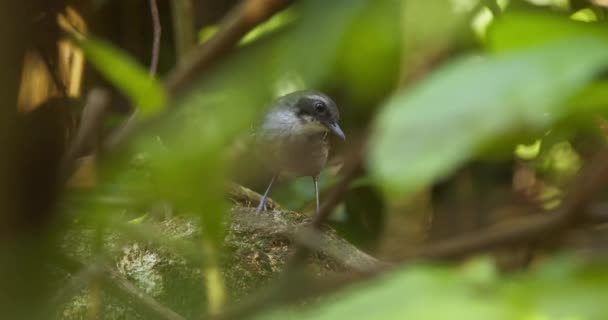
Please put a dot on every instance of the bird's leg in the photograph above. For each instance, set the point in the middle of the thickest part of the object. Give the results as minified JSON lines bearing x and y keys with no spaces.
{"x":315,"y":180}
{"x":263,"y":200}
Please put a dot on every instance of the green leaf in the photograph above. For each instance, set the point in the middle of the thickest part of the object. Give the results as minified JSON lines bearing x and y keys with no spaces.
{"x":518,"y":30}
{"x":275,"y":22}
{"x":425,"y":133}
{"x":557,"y":290}
{"x":145,"y":93}
{"x":421,"y":292}
{"x":593,"y":98}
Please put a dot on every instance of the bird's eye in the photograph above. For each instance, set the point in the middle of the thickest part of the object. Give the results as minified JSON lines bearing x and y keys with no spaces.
{"x":319,"y":107}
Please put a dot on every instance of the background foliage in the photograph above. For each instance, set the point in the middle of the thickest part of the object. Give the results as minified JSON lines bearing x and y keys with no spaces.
{"x":472,"y":127}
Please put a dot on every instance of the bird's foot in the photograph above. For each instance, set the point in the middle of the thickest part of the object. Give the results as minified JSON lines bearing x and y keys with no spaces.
{"x":261,"y":207}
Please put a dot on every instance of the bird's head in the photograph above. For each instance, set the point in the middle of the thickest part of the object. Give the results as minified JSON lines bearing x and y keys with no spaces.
{"x":314,"y":110}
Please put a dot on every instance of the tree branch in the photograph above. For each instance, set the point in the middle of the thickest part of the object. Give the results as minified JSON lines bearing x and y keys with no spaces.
{"x":241,"y":19}
{"x":570,"y":214}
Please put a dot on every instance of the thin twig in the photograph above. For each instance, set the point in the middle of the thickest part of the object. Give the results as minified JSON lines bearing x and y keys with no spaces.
{"x":121,"y":134}
{"x":352,"y":170}
{"x":157,"y":31}
{"x":128,"y":126}
{"x":242,"y":19}
{"x":93,"y":114}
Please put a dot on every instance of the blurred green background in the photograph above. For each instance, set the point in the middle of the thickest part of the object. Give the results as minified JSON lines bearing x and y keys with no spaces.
{"x":460,"y":115}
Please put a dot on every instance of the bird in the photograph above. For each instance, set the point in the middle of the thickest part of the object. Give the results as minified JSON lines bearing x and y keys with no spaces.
{"x":292,"y":140}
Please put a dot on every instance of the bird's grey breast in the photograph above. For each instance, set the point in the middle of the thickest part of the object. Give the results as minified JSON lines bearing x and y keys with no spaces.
{"x":291,"y":144}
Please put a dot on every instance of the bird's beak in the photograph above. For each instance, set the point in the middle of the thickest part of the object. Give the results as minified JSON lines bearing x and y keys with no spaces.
{"x":335,"y":128}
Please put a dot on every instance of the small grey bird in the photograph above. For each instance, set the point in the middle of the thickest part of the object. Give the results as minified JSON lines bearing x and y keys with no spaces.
{"x":292,"y":139}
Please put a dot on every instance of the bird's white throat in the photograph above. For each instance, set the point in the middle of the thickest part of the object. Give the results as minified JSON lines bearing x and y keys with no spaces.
{"x":289,"y":123}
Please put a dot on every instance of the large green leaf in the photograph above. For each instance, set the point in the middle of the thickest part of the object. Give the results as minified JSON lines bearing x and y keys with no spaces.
{"x":425,"y":133}
{"x":559,"y":290}
{"x":146,"y":93}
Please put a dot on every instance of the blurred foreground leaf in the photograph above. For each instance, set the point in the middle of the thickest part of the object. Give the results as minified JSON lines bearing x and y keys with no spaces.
{"x":425,"y":133}
{"x":593,"y":97}
{"x":559,"y":290}
{"x":146,"y":93}
{"x":373,"y":35}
